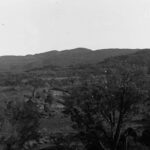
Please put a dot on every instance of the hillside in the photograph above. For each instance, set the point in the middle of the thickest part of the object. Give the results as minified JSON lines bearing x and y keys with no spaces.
{"x":141,"y":58}
{"x":59,"y":58}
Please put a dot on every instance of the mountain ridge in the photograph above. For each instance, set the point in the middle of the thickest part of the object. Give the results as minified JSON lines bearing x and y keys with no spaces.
{"x":10,"y":63}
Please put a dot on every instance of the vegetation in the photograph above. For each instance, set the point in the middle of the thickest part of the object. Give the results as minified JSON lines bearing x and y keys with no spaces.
{"x":24,"y":121}
{"x":102,"y":106}
{"x":104,"y":111}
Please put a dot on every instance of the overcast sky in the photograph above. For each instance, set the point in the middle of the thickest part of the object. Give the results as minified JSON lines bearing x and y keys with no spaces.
{"x":33,"y":26}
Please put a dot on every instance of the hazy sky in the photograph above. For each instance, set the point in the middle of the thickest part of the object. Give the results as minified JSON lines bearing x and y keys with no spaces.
{"x":33,"y":26}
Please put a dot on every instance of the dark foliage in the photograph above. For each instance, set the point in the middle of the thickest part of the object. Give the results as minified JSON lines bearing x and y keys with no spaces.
{"x":24,"y":120}
{"x":103,"y":110}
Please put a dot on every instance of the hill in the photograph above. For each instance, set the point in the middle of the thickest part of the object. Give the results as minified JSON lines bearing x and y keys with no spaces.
{"x":141,"y":58}
{"x":59,"y":58}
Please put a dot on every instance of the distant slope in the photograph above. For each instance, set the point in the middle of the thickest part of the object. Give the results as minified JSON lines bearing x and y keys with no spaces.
{"x":140,"y":58}
{"x":59,"y":58}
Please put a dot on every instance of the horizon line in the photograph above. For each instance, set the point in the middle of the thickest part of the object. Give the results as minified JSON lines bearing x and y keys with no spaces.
{"x":73,"y":49}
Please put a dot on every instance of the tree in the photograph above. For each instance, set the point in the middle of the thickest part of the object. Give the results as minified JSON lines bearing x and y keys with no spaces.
{"x":144,"y":139}
{"x":24,"y":122}
{"x":35,"y":84}
{"x":102,"y":109}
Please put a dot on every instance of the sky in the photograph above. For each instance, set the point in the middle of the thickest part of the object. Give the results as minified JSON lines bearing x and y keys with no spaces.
{"x":35,"y":26}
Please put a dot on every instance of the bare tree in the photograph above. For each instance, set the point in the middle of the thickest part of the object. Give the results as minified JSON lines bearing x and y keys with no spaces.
{"x":103,"y":108}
